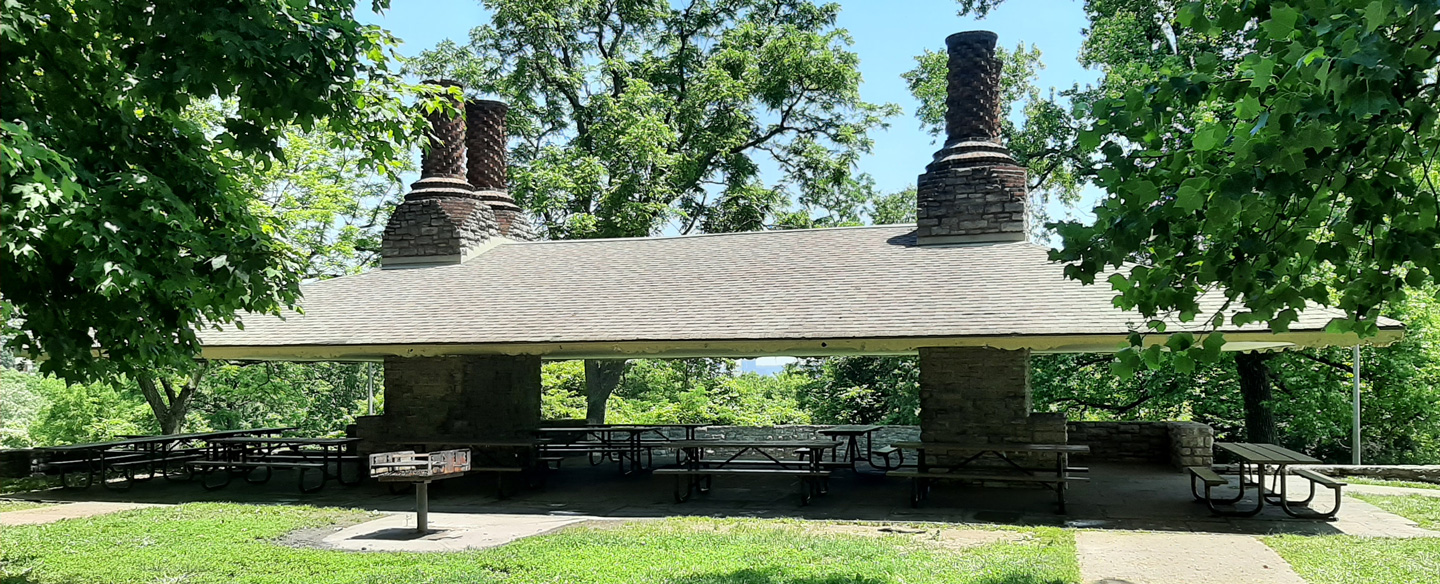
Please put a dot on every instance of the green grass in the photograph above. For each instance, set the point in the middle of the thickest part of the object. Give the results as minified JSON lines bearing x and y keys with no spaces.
{"x":18,"y":505}
{"x":203,"y":543}
{"x":1389,"y":483}
{"x":1346,"y":559}
{"x":1337,"y":559}
{"x":1422,"y":509}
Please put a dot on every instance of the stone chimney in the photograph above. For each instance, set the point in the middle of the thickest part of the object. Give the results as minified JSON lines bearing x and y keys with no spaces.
{"x":973,"y":191}
{"x":485,"y":138}
{"x":442,"y":220}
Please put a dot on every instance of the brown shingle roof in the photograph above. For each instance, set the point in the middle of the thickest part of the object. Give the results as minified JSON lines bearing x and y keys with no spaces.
{"x":795,"y":286}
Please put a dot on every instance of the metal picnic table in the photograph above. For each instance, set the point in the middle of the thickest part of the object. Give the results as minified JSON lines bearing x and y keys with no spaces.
{"x":1260,"y":459}
{"x":622,"y":444}
{"x":155,"y":452}
{"x":501,"y":456}
{"x":247,"y":453}
{"x":851,"y":434}
{"x":1055,"y":478}
{"x":697,"y":472}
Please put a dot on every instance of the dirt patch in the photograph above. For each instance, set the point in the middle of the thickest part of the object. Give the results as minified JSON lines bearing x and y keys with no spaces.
{"x":313,"y":537}
{"x":948,"y":538}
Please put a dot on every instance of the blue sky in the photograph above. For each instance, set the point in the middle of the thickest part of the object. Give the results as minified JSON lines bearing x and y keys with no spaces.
{"x":887,"y":34}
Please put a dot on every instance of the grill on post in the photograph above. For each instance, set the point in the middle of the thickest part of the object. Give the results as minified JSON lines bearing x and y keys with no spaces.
{"x":419,"y":468}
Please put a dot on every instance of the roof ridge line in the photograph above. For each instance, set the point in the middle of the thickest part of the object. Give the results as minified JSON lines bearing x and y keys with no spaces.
{"x":699,"y":235}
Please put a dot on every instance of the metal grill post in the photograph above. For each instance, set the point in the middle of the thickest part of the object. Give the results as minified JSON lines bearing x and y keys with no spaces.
{"x":422,"y":506}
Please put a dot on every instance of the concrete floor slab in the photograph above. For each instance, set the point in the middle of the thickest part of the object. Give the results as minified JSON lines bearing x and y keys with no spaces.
{"x":1118,"y":496}
{"x":53,"y":513}
{"x":448,"y":532}
{"x":1111,"y":557}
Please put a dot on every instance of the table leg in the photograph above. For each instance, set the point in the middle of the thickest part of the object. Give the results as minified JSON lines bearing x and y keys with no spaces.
{"x":422,"y":506}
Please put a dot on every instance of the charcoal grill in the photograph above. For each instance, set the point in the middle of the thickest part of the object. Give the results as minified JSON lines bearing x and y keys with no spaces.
{"x":420,"y":469}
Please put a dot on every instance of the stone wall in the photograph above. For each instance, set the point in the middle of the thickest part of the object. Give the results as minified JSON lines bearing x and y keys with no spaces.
{"x":469,"y":397}
{"x":1125,"y":442}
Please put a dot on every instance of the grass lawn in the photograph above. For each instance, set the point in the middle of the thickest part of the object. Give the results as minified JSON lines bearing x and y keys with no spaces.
{"x":238,"y":543}
{"x":1336,"y":559}
{"x":1421,"y":509}
{"x":18,"y":505}
{"x":1346,"y":559}
{"x":1386,"y":483}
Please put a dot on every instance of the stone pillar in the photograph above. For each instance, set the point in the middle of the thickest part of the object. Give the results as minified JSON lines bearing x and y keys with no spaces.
{"x":981,"y":395}
{"x":462,"y":397}
{"x":1191,"y":444}
{"x":973,"y":191}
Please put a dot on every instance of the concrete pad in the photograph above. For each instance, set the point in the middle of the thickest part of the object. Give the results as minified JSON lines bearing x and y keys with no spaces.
{"x":55,"y":513}
{"x":1109,"y":557}
{"x":448,"y":532}
{"x":1360,"y":518}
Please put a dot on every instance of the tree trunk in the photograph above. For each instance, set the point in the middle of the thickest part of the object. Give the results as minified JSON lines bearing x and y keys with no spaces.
{"x":601,"y":378}
{"x":1256,"y":389}
{"x":170,"y":407}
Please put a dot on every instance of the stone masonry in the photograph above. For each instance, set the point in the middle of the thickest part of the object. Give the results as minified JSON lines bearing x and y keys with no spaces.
{"x":973,"y":191}
{"x":461,"y":397}
{"x":442,"y":219}
{"x":981,"y":395}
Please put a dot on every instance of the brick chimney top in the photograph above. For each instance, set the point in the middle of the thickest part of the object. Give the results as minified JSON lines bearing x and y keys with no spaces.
{"x":442,"y":220}
{"x":973,"y":191}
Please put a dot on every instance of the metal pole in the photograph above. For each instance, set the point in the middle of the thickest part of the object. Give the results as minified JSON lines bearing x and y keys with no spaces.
{"x":1355,"y":437}
{"x":422,"y":506}
{"x":370,"y":387}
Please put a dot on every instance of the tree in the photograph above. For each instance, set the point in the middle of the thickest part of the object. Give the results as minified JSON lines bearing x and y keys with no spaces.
{"x":1278,"y":156}
{"x":326,"y":204}
{"x":633,"y":116}
{"x":126,"y":227}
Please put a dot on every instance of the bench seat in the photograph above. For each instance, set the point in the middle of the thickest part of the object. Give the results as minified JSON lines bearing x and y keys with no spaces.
{"x":1316,"y":477}
{"x":966,"y":476}
{"x":811,"y":482}
{"x":1208,"y":475}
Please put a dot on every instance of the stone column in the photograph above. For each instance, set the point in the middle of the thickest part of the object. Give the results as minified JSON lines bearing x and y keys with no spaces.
{"x":462,"y":397}
{"x":982,"y":395}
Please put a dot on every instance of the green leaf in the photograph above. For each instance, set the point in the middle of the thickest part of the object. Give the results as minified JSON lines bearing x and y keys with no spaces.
{"x":1192,"y":194}
{"x":1209,"y":137}
{"x":1263,"y":70}
{"x":1375,"y":15}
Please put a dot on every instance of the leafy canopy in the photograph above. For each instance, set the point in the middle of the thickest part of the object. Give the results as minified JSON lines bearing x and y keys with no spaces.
{"x":631,"y":115}
{"x":1278,"y":152}
{"x":125,"y":225}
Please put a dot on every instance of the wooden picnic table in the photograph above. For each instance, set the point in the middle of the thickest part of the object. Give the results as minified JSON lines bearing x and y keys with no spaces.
{"x":1056,"y":478}
{"x":1259,"y":460}
{"x":697,"y":472}
{"x":157,"y":453}
{"x":245,"y":454}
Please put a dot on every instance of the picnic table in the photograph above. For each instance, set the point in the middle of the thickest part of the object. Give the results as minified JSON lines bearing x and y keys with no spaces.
{"x":625,"y":445}
{"x":851,"y":434}
{"x":696,"y":472}
{"x":155,"y":453}
{"x":1259,"y":460}
{"x":245,"y":454}
{"x":1055,"y":478}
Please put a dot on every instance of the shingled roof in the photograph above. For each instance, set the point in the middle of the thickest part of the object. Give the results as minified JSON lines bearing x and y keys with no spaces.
{"x":864,"y":290}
